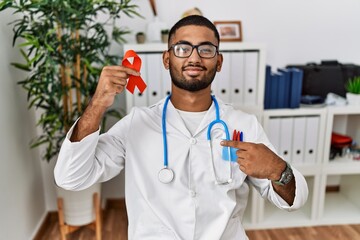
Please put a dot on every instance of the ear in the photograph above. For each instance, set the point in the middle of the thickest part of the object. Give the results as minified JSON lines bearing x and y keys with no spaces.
{"x":219,"y":62}
{"x":166,"y":60}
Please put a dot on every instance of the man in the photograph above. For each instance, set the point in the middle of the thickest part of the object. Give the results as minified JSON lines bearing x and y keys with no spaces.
{"x":182,"y":202}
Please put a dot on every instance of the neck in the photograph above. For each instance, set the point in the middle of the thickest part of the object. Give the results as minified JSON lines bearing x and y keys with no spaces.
{"x":191,"y":101}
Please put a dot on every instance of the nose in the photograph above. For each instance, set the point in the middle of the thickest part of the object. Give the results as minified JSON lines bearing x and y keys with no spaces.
{"x":194,"y":57}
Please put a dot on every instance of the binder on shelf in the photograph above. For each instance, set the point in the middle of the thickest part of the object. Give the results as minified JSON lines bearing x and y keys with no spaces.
{"x":287,"y":82}
{"x":311,"y":139}
{"x":274,"y":82}
{"x":237,"y":72}
{"x":273,"y":132}
{"x":166,"y":81}
{"x":298,"y":134}
{"x":154,"y":65}
{"x":222,"y":80}
{"x":286,"y":137}
{"x":251,"y":78}
{"x":141,"y":99}
{"x":280,"y":96}
{"x":267,"y":87}
{"x":296,"y":87}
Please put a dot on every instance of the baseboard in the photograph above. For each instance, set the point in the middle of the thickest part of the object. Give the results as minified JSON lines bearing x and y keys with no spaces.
{"x":44,"y":224}
{"x":117,"y":203}
{"x":332,"y":188}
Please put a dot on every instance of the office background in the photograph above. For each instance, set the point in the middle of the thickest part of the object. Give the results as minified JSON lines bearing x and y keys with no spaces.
{"x":293,"y":32}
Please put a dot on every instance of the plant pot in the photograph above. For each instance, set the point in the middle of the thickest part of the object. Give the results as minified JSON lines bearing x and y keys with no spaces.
{"x":164,"y":37}
{"x":140,"y":38}
{"x":78,"y":206}
{"x":353,"y":99}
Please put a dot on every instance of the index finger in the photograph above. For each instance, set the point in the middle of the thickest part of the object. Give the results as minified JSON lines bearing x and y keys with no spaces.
{"x":122,"y":68}
{"x":234,"y":144}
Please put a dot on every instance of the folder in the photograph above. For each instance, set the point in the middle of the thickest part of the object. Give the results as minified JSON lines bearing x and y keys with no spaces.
{"x":274,"y":77}
{"x":154,"y":81}
{"x":280,"y":96}
{"x":222,"y":79}
{"x":273,"y":132}
{"x":296,"y":87}
{"x":286,"y":138}
{"x":287,"y":82}
{"x":267,"y":87}
{"x":311,"y":138}
{"x":298,"y":134}
{"x":166,"y":81}
{"x":237,"y":77}
{"x":251,"y":78}
{"x":141,"y":99}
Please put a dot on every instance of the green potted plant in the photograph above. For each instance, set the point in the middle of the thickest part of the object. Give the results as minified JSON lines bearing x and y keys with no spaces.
{"x":64,"y":45}
{"x":353,"y":91}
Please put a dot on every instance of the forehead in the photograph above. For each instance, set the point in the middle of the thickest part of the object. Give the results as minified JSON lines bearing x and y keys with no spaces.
{"x":194,"y":34}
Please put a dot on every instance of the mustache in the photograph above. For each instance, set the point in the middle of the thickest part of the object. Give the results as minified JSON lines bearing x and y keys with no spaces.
{"x":194,"y":65}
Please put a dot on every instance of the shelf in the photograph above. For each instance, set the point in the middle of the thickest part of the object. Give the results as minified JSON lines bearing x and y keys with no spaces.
{"x":294,"y":112}
{"x":342,"y":166}
{"x":343,"y":206}
{"x":348,"y":109}
{"x":308,"y":169}
{"x":274,"y":217}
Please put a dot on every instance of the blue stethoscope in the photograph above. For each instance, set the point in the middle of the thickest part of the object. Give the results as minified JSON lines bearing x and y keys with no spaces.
{"x":166,"y":175}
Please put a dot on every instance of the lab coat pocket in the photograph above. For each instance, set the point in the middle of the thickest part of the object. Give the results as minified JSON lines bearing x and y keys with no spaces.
{"x":223,"y":169}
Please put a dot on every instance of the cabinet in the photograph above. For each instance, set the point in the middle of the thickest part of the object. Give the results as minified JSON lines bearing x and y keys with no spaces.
{"x":306,"y":131}
{"x":342,"y":206}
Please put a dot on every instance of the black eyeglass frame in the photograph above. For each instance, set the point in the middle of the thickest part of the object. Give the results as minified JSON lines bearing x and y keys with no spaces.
{"x":192,"y":49}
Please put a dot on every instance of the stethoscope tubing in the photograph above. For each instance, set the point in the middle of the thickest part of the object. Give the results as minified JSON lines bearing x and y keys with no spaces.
{"x":217,"y":120}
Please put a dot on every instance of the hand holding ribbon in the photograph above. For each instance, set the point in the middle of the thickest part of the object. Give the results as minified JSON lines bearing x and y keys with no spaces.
{"x":134,"y":81}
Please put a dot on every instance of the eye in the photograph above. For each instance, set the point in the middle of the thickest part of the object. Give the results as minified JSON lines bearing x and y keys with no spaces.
{"x":206,"y":50}
{"x":184,"y":49}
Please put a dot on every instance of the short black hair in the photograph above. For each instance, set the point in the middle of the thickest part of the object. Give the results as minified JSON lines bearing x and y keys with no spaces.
{"x":196,"y":20}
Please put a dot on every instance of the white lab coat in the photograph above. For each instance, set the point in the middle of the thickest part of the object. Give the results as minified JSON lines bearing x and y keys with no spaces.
{"x":191,"y":206}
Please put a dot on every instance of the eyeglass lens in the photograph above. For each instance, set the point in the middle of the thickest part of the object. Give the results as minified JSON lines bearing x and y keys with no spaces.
{"x":184,"y":50}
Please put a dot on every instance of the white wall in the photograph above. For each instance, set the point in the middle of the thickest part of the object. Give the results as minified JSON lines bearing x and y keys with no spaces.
{"x":22,"y":202}
{"x":294,"y":31}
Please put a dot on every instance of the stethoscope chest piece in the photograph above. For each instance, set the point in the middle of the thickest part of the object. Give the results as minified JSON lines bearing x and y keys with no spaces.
{"x":166,"y":175}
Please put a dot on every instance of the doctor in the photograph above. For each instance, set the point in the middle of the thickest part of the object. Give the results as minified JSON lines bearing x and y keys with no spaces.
{"x":177,"y":185}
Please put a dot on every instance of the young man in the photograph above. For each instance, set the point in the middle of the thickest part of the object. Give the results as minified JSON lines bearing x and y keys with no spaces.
{"x":178,"y":186}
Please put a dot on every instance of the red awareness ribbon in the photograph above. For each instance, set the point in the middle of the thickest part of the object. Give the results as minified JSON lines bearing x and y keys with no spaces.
{"x":134,"y":81}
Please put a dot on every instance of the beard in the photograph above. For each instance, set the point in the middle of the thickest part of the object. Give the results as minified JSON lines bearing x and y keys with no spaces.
{"x":193,"y":85}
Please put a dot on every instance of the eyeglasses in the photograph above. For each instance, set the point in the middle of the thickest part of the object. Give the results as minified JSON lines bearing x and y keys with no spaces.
{"x":184,"y":50}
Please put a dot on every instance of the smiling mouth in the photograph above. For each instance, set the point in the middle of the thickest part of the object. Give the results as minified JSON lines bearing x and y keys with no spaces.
{"x":193,"y":71}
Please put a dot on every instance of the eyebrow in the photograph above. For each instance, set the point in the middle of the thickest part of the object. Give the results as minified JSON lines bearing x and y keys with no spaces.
{"x":186,"y":42}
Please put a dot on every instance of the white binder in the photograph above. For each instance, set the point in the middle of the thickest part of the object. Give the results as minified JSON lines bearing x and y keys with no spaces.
{"x":166,"y":81}
{"x":222,"y":79}
{"x":311,"y":139}
{"x":286,"y":138}
{"x":251,"y":78}
{"x":298,"y":140}
{"x":154,"y":75}
{"x":274,"y":133}
{"x":237,"y":77}
{"x":141,"y":99}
